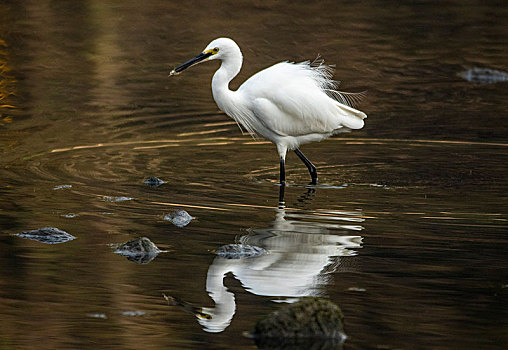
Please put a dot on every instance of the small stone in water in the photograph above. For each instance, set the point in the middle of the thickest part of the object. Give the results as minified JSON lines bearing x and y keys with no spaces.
{"x":153,"y":181}
{"x":239,"y":251}
{"x":133,"y":313}
{"x":179,"y":218}
{"x":116,"y":199}
{"x":61,"y":186}
{"x":47,"y":235}
{"x":139,"y":250}
{"x":484,"y":75}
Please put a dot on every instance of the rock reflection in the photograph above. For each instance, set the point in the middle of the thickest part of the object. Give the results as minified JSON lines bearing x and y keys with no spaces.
{"x":301,"y":251}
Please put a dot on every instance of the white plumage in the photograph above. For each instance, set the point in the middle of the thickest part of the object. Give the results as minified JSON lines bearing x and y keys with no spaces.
{"x":289,"y":104}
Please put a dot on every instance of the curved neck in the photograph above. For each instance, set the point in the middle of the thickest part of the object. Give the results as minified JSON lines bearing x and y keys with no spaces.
{"x":229,"y":68}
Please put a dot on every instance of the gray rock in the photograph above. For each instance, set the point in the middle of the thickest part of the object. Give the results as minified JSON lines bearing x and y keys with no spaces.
{"x":153,"y":181}
{"x":133,"y":313}
{"x":47,"y":235}
{"x":484,"y":75}
{"x":139,"y":250}
{"x":179,"y":218}
{"x":117,"y":199}
{"x":59,"y":187}
{"x":239,"y":251}
{"x":103,"y":316}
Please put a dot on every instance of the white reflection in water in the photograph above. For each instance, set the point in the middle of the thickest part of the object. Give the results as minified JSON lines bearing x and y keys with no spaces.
{"x":300,"y":255}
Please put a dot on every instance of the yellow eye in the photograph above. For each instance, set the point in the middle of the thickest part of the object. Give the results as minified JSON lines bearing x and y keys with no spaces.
{"x":215,"y":50}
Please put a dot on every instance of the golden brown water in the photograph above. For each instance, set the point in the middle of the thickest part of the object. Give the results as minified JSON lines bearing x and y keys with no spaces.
{"x":406,"y":230}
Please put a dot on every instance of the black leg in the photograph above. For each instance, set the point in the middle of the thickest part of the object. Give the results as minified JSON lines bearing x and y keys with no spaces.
{"x":281,"y":197}
{"x":282,"y":172}
{"x":310,"y":166}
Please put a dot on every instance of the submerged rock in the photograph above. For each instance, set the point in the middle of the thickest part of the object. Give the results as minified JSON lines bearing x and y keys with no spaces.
{"x":139,"y":250}
{"x":59,"y":187}
{"x":239,"y":251}
{"x":179,"y":218}
{"x":117,"y":199}
{"x":303,"y":322}
{"x":47,"y":235}
{"x":484,"y":75}
{"x":103,"y":316}
{"x":133,"y":313}
{"x":153,"y":181}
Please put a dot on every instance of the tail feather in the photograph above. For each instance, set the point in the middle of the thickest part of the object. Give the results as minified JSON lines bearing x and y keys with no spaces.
{"x":352,"y":118}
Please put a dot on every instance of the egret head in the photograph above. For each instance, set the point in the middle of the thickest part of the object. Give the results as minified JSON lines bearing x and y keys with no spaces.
{"x":218,"y":49}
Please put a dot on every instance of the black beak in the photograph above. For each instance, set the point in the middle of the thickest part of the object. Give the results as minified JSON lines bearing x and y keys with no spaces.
{"x":202,"y":56}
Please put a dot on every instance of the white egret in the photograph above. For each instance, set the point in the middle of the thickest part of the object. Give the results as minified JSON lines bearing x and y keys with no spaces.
{"x":289,"y":104}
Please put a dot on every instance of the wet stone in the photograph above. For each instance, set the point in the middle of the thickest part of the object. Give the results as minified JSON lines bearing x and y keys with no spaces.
{"x":47,"y":235}
{"x":179,"y":218}
{"x":153,"y":181}
{"x":484,"y":75}
{"x":117,"y":199}
{"x":133,"y":313}
{"x":139,"y":250}
{"x":103,"y":316}
{"x":303,"y":322}
{"x":239,"y":251}
{"x":61,"y":186}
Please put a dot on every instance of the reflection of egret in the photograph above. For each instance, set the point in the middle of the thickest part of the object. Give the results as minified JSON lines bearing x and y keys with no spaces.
{"x":299,"y":253}
{"x":288,"y":104}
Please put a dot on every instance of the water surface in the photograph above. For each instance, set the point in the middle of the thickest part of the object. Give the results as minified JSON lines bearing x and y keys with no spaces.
{"x":406,"y":231}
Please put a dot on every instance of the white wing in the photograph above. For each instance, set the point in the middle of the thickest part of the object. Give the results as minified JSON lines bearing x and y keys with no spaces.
{"x":292,"y":99}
